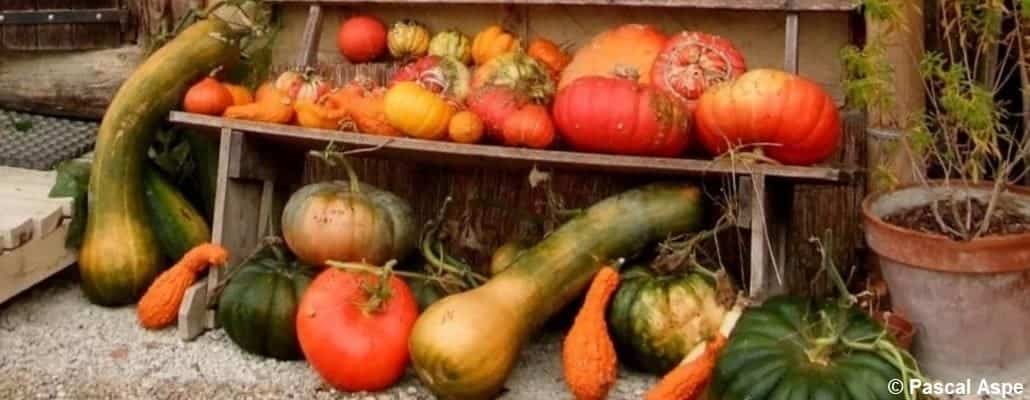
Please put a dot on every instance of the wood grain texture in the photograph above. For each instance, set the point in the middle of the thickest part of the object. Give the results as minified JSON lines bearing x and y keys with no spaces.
{"x":439,"y":152}
{"x":78,"y":84}
{"x":18,"y":37}
{"x":34,"y":262}
{"x":801,"y":5}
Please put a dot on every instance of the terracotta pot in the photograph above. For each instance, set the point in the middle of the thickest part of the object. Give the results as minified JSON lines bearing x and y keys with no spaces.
{"x":970,"y":301}
{"x":899,"y":327}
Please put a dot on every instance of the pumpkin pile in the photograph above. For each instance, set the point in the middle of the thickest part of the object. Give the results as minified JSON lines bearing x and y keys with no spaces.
{"x":662,"y":94}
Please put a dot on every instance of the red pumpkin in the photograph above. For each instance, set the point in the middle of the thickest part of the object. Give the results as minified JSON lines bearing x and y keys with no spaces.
{"x":795,"y":120}
{"x":691,"y":62}
{"x":619,"y":116}
{"x":494,"y":104}
{"x":354,"y":341}
{"x":208,"y":97}
{"x":633,"y":47}
{"x":531,"y":127}
{"x":361,"y":38}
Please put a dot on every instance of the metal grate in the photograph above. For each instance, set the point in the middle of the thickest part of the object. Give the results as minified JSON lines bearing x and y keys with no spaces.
{"x":40,"y":142}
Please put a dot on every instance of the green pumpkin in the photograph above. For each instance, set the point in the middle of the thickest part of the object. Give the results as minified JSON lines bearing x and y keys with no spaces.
{"x":451,"y":43}
{"x":656,"y":319}
{"x":795,"y":349}
{"x":258,"y":307}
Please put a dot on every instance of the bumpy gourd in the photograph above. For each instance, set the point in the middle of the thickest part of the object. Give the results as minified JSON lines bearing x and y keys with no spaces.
{"x":159,"y":307}
{"x":588,"y":355}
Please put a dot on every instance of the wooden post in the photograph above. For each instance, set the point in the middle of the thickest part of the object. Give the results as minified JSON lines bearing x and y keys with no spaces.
{"x":905,"y":47}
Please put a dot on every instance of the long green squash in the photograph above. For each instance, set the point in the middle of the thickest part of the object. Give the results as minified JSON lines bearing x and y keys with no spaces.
{"x":464,"y":346}
{"x":120,"y":255}
{"x":178,"y":225}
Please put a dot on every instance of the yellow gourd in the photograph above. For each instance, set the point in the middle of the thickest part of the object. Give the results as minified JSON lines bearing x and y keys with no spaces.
{"x":416,"y":111}
{"x":407,"y":39}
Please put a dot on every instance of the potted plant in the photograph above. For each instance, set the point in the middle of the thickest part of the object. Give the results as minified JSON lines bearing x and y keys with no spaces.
{"x":954,"y":246}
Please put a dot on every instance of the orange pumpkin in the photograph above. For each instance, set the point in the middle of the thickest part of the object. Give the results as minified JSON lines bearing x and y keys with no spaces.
{"x":208,"y":97}
{"x":240,"y":94}
{"x":492,"y":42}
{"x":465,"y":127}
{"x":531,"y":127}
{"x":794,"y":120}
{"x":549,"y":54}
{"x":632,"y":47}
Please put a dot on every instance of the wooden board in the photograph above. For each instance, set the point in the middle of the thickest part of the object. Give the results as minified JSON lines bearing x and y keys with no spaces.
{"x":799,"y":5}
{"x":29,"y":264}
{"x":439,"y":152}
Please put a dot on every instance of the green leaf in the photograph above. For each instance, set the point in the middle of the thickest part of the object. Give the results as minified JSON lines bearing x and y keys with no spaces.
{"x":22,"y":125}
{"x":73,"y":181}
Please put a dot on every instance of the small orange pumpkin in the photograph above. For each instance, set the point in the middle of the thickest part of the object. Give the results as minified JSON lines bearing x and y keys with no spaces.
{"x":208,"y":97}
{"x":465,"y":127}
{"x":491,"y":42}
{"x":317,"y":115}
{"x":531,"y":127}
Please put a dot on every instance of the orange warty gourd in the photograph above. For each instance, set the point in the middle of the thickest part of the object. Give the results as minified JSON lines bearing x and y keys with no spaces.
{"x":492,"y":42}
{"x":268,"y":92}
{"x":465,"y":127}
{"x":208,"y":97}
{"x":264,"y":111}
{"x":364,"y":105}
{"x":589,"y":362}
{"x":793,"y":119}
{"x":628,"y":47}
{"x":318,"y":115}
{"x":240,"y":94}
{"x":159,"y":306}
{"x":688,"y":381}
{"x":549,"y":54}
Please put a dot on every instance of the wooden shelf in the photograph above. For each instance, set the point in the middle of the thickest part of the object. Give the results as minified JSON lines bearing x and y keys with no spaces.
{"x":768,"y":5}
{"x":499,"y":156}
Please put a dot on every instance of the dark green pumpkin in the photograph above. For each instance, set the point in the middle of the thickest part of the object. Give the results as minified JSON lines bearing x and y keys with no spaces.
{"x":258,"y":307}
{"x":795,"y":349}
{"x":656,"y":319}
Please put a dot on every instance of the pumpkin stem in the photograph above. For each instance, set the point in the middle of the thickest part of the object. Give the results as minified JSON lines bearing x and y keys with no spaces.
{"x":626,"y":72}
{"x":846,"y":298}
{"x":330,"y":156}
{"x":432,"y":250}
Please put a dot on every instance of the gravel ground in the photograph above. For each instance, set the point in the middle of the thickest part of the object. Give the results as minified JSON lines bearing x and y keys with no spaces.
{"x":53,"y":344}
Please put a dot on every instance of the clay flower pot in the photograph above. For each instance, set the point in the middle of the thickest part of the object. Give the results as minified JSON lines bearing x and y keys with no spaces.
{"x":970,"y":300}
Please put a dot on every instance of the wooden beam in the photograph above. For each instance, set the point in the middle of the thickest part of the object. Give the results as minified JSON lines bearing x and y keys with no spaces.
{"x":905,"y":47}
{"x":78,"y":84}
{"x":796,"y":5}
{"x":439,"y":152}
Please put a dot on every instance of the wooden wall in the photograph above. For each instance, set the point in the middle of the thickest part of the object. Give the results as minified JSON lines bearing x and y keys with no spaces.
{"x":759,"y":35}
{"x":61,"y":36}
{"x":477,"y":192}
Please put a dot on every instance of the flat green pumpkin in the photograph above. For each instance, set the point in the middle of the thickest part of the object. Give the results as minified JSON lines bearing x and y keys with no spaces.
{"x":794,"y":349}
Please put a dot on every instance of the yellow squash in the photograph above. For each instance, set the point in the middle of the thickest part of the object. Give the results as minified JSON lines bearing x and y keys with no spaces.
{"x":416,"y":111}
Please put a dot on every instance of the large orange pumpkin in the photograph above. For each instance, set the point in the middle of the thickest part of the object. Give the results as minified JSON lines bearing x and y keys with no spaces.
{"x":347,"y":221}
{"x":793,"y":119}
{"x":633,"y":47}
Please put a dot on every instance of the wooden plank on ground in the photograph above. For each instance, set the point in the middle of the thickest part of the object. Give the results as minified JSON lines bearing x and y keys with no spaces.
{"x":27,"y":184}
{"x":27,"y":265}
{"x":14,"y":230}
{"x":45,"y":215}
